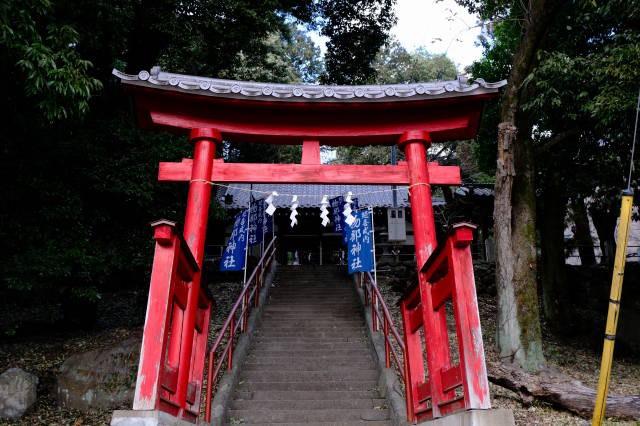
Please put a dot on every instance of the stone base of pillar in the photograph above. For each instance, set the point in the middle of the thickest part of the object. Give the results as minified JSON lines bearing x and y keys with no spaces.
{"x":493,"y":417}
{"x":145,"y":418}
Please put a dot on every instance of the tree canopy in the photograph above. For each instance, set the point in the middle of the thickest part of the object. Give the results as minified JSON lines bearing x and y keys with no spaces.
{"x":574,"y":111}
{"x":79,"y":187}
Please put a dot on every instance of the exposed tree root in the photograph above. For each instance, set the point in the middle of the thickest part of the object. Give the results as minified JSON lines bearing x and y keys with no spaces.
{"x":561,"y":391}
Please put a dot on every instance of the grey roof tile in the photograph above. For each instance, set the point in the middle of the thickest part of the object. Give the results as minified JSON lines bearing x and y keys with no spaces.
{"x":305,"y":92}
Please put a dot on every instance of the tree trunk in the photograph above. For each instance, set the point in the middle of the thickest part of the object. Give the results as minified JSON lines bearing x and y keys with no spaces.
{"x":561,"y":391}
{"x":605,"y":221}
{"x":519,"y":336}
{"x":553,"y":272}
{"x":583,"y":232}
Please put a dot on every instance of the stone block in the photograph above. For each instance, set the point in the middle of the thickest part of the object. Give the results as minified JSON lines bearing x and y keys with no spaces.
{"x":145,"y":418}
{"x":493,"y":417}
{"x":17,"y":392}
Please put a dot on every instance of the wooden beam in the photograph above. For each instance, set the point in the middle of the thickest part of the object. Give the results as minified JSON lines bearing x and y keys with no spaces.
{"x":310,"y":152}
{"x":309,"y":173}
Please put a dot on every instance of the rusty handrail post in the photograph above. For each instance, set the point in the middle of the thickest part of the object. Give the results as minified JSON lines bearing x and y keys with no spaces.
{"x":387,"y":345}
{"x":374,"y":314}
{"x":207,"y":412}
{"x":245,"y":311}
{"x":259,"y":278}
{"x":232,"y":332}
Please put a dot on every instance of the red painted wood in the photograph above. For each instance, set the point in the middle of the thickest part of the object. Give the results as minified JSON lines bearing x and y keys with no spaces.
{"x":441,"y":291}
{"x":158,"y":376}
{"x":200,"y":351}
{"x":150,"y":367}
{"x":424,"y":392}
{"x":451,"y":378}
{"x":333,"y":123}
{"x":452,"y":406}
{"x":195,"y":230}
{"x":438,"y":356}
{"x":455,"y":126}
{"x":310,"y":152}
{"x":468,"y":330}
{"x":309,"y":173}
{"x":413,"y":360}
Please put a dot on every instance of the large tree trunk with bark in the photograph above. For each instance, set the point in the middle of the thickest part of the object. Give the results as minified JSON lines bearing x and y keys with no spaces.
{"x":519,"y":336}
{"x":583,"y":232}
{"x":561,"y":391}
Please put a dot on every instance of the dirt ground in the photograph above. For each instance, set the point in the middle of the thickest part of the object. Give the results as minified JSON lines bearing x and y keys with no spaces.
{"x":43,"y":356}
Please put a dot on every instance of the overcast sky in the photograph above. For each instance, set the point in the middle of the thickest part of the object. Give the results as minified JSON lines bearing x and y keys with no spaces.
{"x":440,"y":26}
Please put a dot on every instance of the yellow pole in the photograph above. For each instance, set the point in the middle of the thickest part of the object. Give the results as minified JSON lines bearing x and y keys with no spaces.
{"x":614,"y":307}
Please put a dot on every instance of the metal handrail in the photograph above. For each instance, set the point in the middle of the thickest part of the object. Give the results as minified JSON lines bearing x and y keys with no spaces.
{"x":374,"y":299}
{"x":250,"y":290}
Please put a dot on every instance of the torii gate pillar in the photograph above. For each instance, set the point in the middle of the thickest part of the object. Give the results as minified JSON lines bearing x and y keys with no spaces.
{"x":445,"y":275}
{"x":174,"y":343}
{"x":415,"y":146}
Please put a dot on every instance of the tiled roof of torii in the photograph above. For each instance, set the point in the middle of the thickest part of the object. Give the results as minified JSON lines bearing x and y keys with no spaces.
{"x":157,"y":78}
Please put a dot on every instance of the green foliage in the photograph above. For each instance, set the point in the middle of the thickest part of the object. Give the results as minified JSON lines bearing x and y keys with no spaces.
{"x":394,"y":64}
{"x":42,"y":53}
{"x":356,"y":31}
{"x":579,"y":100}
{"x":79,"y":178}
{"x":304,"y":56}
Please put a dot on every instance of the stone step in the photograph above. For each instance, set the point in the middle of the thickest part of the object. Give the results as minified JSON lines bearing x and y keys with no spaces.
{"x":353,"y":385}
{"x":295,"y":308}
{"x":310,"y":341}
{"x":331,"y":327}
{"x":262,"y":359}
{"x":303,"y":416}
{"x":360,"y":352}
{"x":310,"y":329}
{"x":310,"y":362}
{"x":312,"y":334}
{"x":310,"y":365}
{"x":290,"y":317}
{"x":282,"y":293}
{"x":331,"y":375}
{"x":319,"y":321}
{"x":275,"y":345}
{"x":351,"y":423}
{"x":307,"y":404}
{"x":306,"y":395}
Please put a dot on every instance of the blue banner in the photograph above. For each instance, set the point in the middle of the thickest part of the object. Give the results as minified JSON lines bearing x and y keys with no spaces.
{"x":256,"y":222}
{"x":267,"y":224}
{"x":234,"y":255}
{"x":337,"y":205}
{"x":360,"y":244}
{"x":345,"y":226}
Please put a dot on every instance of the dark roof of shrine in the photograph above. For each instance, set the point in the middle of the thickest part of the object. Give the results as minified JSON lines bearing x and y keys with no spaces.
{"x":158,"y":79}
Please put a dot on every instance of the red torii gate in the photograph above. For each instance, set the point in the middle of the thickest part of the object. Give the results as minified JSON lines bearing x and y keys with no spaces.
{"x":413,"y":116}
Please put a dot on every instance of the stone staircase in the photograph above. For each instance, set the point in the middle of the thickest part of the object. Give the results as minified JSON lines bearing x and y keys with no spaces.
{"x":310,"y":361}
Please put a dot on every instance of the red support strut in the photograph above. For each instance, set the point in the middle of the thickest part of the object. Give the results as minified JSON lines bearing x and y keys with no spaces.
{"x":445,"y":388}
{"x":177,"y":324}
